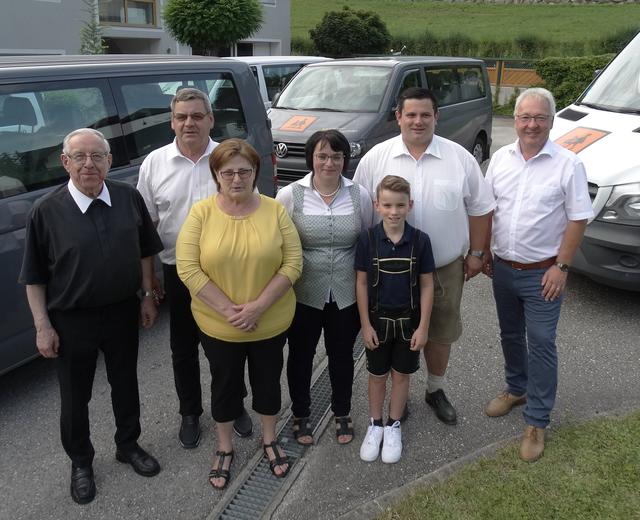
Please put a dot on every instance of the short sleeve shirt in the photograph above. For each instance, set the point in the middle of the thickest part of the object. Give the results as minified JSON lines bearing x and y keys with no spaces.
{"x":395,"y":290}
{"x":88,"y":259}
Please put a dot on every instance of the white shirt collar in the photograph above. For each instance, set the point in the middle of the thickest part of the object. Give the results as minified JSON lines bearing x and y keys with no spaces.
{"x":83,"y":201}
{"x":174,"y":151}
{"x":306,"y":181}
{"x":400,"y":148}
{"x":547,"y":149}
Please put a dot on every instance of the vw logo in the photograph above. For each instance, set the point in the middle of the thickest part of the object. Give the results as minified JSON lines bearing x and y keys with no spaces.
{"x":281,"y":150}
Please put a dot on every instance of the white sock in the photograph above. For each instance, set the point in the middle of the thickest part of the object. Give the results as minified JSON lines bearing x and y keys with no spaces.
{"x":435,"y":383}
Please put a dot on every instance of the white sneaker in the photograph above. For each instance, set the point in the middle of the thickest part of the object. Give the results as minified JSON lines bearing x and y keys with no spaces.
{"x":392,"y":445}
{"x":371,"y":444}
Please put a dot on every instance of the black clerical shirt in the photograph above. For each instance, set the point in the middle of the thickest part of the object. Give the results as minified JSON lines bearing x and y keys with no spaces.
{"x":92,"y":259}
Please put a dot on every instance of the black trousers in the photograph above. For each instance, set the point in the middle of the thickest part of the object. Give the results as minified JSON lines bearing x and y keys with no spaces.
{"x":340,"y":330}
{"x":226,"y":363}
{"x":112,"y":329}
{"x":184,"y":340}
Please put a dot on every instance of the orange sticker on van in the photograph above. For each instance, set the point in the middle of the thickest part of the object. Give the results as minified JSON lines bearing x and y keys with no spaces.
{"x":298,"y":123}
{"x":579,"y":138}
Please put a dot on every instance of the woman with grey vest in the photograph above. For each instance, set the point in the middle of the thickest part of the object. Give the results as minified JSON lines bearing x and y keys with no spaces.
{"x":329,"y":212}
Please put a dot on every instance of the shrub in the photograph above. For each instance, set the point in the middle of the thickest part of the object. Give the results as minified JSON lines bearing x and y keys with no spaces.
{"x":303,"y":47}
{"x":615,"y":42}
{"x":347,"y":32}
{"x":530,"y":46}
{"x":568,"y":77}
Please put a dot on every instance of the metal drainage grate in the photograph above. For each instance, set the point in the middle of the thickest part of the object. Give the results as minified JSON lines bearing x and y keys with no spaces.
{"x":256,"y":493}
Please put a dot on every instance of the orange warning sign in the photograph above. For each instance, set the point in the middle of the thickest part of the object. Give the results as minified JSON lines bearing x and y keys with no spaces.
{"x":579,"y":138}
{"x":298,"y":123}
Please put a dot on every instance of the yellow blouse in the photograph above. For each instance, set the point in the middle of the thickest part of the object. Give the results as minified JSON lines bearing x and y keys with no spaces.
{"x":240,"y":255}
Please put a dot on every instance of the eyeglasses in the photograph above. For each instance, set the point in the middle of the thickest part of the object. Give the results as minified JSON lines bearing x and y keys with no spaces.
{"x":81,"y":158}
{"x":197,"y":116}
{"x":526,"y":118}
{"x":243,"y":173}
{"x":324,"y":157}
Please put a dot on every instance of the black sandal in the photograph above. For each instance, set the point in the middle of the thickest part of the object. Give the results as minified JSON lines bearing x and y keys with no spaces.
{"x":344,"y":426}
{"x":219,"y":472}
{"x":302,"y":428}
{"x":278,"y":460}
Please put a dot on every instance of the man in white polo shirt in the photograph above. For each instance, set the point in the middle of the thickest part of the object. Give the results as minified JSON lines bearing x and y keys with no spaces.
{"x":172,"y":179}
{"x":452,"y":204}
{"x":542,"y":210}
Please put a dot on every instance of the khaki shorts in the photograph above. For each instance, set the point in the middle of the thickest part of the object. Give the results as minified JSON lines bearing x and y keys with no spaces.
{"x":446,"y":324}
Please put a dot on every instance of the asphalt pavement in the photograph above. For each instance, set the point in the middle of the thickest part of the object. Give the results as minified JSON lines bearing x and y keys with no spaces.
{"x":599,"y":357}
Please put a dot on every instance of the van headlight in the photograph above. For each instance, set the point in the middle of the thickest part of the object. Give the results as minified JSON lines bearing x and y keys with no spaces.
{"x":623,"y":206}
{"x":356,"y":148}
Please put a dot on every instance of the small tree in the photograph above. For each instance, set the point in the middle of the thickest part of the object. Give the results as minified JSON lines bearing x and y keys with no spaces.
{"x":91,"y":41}
{"x":212,"y":25}
{"x":347,"y":32}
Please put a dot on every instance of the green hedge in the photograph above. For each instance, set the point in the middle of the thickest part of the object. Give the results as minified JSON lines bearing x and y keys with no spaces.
{"x":568,"y":77}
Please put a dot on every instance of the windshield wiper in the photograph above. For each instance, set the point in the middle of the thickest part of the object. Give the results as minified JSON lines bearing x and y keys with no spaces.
{"x":322,"y":109}
{"x":617,"y":110}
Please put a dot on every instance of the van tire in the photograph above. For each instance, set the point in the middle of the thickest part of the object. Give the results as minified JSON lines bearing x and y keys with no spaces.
{"x":478,"y":149}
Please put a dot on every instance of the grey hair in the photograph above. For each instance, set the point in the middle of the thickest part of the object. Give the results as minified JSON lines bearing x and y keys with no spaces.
{"x":540,"y":93}
{"x":189,"y":93}
{"x":84,"y":131}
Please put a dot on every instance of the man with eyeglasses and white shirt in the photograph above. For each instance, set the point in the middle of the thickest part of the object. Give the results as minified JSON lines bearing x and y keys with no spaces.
{"x":89,"y":248}
{"x":172,"y":179}
{"x":543,"y":206}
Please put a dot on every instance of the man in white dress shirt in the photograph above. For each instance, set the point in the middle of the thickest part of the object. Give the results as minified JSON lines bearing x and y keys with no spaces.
{"x":542,"y":210}
{"x":172,"y":179}
{"x":452,"y":204}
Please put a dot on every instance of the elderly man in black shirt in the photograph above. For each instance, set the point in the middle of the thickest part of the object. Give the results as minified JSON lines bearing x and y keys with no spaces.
{"x":88,"y":251}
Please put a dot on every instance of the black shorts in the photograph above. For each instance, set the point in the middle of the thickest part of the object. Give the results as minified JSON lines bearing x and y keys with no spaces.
{"x":394,"y":336}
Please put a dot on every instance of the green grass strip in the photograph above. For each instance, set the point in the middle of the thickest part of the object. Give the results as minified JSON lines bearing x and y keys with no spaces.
{"x":589,"y":471}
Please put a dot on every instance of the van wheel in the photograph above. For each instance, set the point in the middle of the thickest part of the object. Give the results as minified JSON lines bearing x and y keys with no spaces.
{"x":477,"y":150}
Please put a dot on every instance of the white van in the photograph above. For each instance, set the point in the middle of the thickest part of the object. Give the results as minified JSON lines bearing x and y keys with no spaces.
{"x":273,"y":72}
{"x":603,"y":127}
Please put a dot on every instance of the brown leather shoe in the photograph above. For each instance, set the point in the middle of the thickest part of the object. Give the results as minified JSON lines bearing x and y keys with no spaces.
{"x":502,"y":404}
{"x":532,"y":445}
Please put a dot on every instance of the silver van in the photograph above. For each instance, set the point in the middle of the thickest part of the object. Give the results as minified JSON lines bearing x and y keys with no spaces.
{"x":125,"y":97}
{"x":272,"y":73}
{"x":358,"y":97}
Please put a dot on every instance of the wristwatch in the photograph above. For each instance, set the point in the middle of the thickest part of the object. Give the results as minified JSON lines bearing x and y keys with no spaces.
{"x":476,"y":253}
{"x":563,"y":267}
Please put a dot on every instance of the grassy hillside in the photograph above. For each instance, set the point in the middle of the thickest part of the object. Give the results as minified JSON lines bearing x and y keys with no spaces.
{"x":555,"y":23}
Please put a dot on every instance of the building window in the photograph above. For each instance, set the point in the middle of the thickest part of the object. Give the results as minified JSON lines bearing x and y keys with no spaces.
{"x":129,"y":12}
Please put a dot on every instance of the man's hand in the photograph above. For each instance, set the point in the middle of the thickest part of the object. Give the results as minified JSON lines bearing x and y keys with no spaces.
{"x":369,"y":337}
{"x":48,"y":342}
{"x":472,"y":266}
{"x":487,"y":264}
{"x":419,"y":338}
{"x":553,"y":283}
{"x":157,"y":290}
{"x":148,"y":312}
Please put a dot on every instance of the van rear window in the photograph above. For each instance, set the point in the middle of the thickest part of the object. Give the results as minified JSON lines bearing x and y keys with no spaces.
{"x":34,"y":120}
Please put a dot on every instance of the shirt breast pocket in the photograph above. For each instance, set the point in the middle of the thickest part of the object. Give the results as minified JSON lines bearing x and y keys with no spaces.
{"x":542,"y":196}
{"x":446,"y":195}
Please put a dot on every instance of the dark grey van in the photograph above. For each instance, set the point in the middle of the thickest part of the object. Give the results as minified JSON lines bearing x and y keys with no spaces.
{"x":358,"y":97}
{"x":127,"y":98}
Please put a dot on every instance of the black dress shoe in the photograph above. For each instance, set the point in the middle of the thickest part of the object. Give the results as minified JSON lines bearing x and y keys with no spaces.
{"x":189,"y":432}
{"x":441,"y":405}
{"x":243,"y":425}
{"x":142,"y":463}
{"x":83,"y":486}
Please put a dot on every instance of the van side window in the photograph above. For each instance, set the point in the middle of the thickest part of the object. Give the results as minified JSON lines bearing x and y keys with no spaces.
{"x":33,"y":124}
{"x":412,"y":79}
{"x":445,"y":85}
{"x":471,"y":83}
{"x":145,"y":109}
{"x":277,"y":76}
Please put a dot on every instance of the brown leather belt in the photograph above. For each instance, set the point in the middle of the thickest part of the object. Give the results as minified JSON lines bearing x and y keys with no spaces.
{"x":523,"y":267}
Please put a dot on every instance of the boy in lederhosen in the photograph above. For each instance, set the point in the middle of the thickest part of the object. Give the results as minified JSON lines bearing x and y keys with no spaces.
{"x":394,"y":291}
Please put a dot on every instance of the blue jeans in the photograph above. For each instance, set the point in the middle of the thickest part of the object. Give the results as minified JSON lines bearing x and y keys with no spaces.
{"x":528,"y":334}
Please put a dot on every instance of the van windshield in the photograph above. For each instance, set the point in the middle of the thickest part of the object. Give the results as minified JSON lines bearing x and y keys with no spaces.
{"x":337,"y":88}
{"x":618,"y":87}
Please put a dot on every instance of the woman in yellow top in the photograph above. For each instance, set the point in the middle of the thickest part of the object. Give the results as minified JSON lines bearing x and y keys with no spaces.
{"x":239,"y":254}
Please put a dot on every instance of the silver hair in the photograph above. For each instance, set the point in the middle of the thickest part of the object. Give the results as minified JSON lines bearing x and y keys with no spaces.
{"x":189,"y":93}
{"x":84,"y":131}
{"x":540,"y":93}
